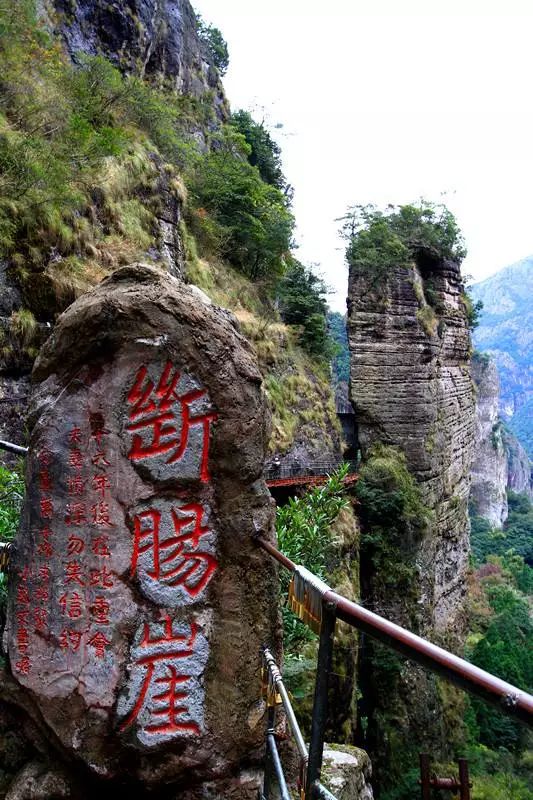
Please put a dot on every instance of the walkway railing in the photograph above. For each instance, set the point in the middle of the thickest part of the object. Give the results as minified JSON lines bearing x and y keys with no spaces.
{"x":319,"y":607}
{"x":294,"y":469}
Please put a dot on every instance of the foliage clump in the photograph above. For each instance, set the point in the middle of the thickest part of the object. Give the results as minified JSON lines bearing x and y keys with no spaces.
{"x":399,"y":236}
{"x":215,"y":43}
{"x":265,"y":153}
{"x":303,"y":529}
{"x":393,"y":517}
{"x":302,"y":303}
{"x":341,"y":357}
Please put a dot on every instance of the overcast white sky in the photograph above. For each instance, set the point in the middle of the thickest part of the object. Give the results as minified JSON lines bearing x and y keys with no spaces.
{"x":385,"y":101}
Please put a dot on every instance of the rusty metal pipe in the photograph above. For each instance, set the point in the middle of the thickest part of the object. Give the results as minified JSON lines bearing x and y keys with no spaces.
{"x":510,"y":700}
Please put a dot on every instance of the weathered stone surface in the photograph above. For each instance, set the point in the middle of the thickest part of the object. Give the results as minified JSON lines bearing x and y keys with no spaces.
{"x":149,"y":37}
{"x":37,"y":782}
{"x":139,"y":603}
{"x":489,"y":467}
{"x":519,"y":474}
{"x":347,"y":772}
{"x":411,"y":387}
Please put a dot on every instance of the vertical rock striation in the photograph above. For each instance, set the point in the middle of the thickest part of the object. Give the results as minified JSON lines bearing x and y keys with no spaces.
{"x":519,"y":473}
{"x":489,"y":468}
{"x":411,"y":388}
{"x":412,"y":392}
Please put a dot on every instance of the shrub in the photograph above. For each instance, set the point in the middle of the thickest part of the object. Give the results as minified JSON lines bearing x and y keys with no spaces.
{"x":303,"y":529}
{"x":379,"y":240}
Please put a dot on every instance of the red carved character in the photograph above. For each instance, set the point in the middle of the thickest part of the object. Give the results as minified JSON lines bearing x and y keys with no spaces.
{"x":100,"y":484}
{"x":70,"y":640}
{"x":176,"y":560}
{"x":74,"y":436}
{"x":72,"y":605}
{"x":168,"y":707}
{"x":100,"y":546}
{"x":45,"y":483}
{"x":100,"y":611}
{"x":100,"y":513}
{"x":75,"y":545}
{"x":99,"y":642}
{"x":75,"y":458}
{"x":40,"y":619}
{"x":23,"y":666}
{"x":152,"y":410}
{"x":76,"y":486}
{"x":47,"y":508}
{"x":42,"y":593}
{"x":73,"y":573}
{"x":102,"y":577}
{"x":76,"y":514}
{"x":100,"y":460}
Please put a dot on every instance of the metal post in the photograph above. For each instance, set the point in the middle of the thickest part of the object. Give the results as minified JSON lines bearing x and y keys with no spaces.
{"x":425,"y":776}
{"x":464,"y":778}
{"x":269,"y":766}
{"x":320,"y":703}
{"x":277,"y":768}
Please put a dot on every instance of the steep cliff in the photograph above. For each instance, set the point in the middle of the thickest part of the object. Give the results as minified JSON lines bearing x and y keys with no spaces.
{"x":154,"y":39}
{"x":134,"y":164}
{"x":489,"y":468}
{"x":506,"y":332}
{"x":413,"y":395}
{"x":519,"y":471}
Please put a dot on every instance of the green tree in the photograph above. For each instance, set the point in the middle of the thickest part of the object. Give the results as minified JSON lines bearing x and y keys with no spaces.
{"x":379,"y":240}
{"x":215,"y":43}
{"x":264,"y":154}
{"x":341,"y":359}
{"x":254,"y":223}
{"x":302,"y":303}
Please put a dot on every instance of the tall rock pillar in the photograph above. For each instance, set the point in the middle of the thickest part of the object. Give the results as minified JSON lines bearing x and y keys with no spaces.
{"x":412,"y":390}
{"x":138,"y":603}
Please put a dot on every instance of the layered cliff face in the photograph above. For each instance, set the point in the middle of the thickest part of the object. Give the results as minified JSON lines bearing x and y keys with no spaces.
{"x":151,"y":38}
{"x":506,"y":333}
{"x":411,"y":388}
{"x":413,"y":395}
{"x":489,"y":468}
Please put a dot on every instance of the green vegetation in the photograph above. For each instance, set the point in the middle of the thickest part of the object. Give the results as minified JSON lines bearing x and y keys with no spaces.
{"x":11,"y":496}
{"x":381,"y":240}
{"x":341,"y":359}
{"x":516,"y":537}
{"x":501,"y":630}
{"x":83,"y":153}
{"x":392,"y":516}
{"x":265,"y":153}
{"x":248,"y":221}
{"x":302,"y":299}
{"x":303,"y":529}
{"x":215,"y":43}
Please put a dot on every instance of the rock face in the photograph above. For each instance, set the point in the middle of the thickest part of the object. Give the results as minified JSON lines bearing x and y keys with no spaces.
{"x":347,"y":772}
{"x":411,"y":388}
{"x":413,"y":394}
{"x":506,"y":333}
{"x":519,"y":475}
{"x":489,"y":468}
{"x":139,"y":603}
{"x":153,"y":38}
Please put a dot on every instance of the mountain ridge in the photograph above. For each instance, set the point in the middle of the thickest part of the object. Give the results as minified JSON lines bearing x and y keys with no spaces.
{"x":506,"y":332}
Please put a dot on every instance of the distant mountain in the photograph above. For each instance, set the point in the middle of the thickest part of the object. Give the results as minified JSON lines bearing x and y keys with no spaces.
{"x":506,"y":331}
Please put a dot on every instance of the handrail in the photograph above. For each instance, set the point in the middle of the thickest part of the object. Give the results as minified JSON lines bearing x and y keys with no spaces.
{"x":510,"y":700}
{"x":13,"y":448}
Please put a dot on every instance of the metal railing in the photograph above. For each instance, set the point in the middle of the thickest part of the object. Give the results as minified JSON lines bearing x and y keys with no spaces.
{"x":319,"y":607}
{"x":293,"y":469}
